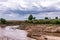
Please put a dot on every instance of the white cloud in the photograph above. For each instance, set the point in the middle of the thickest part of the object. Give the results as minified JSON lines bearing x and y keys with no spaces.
{"x":46,"y":3}
{"x":28,"y":5}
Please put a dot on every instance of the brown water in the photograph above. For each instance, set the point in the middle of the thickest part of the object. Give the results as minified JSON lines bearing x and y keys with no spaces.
{"x":11,"y":33}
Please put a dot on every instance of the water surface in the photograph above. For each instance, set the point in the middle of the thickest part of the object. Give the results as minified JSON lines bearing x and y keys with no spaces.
{"x":11,"y":33}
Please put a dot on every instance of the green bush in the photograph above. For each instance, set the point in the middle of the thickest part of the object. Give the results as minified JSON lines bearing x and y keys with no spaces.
{"x":45,"y":21}
{"x":57,"y":22}
{"x":56,"y":17}
{"x":3,"y":21}
{"x":30,"y":21}
{"x":46,"y":18}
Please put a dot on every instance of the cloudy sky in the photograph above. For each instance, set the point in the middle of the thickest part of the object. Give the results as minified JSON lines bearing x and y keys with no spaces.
{"x":21,"y":9}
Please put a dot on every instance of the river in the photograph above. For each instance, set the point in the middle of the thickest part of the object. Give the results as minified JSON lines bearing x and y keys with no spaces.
{"x":11,"y":33}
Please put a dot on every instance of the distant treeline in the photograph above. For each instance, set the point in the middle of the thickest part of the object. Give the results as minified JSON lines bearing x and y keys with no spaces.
{"x":46,"y":20}
{"x":32,"y":19}
{"x":43,"y":21}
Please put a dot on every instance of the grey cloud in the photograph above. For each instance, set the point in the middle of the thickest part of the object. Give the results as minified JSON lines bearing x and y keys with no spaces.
{"x":24,"y":10}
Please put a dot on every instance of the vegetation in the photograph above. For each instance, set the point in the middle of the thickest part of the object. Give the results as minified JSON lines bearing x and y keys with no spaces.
{"x":3,"y":21}
{"x":33,"y":20}
{"x":56,"y":17}
{"x":46,"y":18}
{"x":52,"y":21}
{"x":30,"y":17}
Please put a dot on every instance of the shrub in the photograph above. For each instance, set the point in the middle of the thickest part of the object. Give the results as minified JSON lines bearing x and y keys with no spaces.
{"x":30,"y":17}
{"x":46,"y":18}
{"x":56,"y":17}
{"x":3,"y":21}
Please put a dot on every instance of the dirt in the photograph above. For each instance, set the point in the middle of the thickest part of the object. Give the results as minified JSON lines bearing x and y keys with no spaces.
{"x":52,"y":37}
{"x":37,"y":31}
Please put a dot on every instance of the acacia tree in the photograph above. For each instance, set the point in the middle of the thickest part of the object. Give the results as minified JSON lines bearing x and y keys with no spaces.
{"x":30,"y":17}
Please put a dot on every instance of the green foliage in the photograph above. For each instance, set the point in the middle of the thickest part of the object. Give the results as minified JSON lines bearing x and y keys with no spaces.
{"x":3,"y":21}
{"x":52,"y":21}
{"x":56,"y":21}
{"x":56,"y":17}
{"x":30,"y":17}
{"x":46,"y":18}
{"x":29,"y":21}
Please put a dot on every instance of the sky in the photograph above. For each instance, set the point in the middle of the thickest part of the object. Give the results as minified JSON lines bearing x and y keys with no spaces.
{"x":21,"y":9}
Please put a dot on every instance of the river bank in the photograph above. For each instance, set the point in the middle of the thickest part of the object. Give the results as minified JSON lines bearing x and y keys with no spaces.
{"x":32,"y":32}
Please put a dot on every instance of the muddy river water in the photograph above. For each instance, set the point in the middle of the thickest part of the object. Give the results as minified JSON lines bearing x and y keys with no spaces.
{"x":11,"y":33}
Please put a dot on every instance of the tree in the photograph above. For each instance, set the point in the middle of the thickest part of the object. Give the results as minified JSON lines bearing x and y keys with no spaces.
{"x":46,"y":18}
{"x":3,"y":21}
{"x":56,"y":17}
{"x":34,"y":18}
{"x":30,"y":17}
